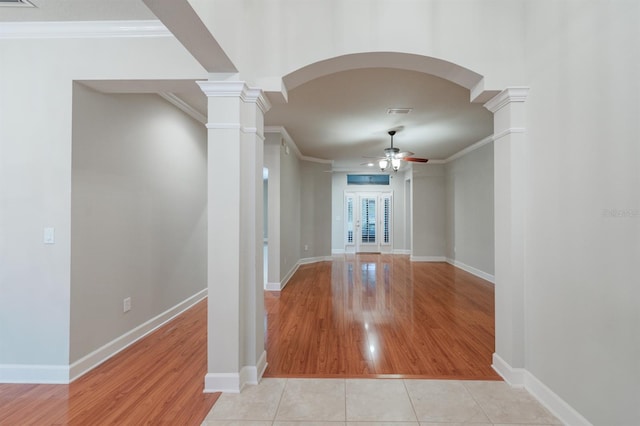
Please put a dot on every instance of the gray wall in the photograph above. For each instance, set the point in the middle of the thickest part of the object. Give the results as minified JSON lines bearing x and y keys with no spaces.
{"x":290,"y":210}
{"x":272,"y":146}
{"x":299,"y":208}
{"x":315,"y":205}
{"x":138,"y":213}
{"x":429,"y":222}
{"x":469,"y":209}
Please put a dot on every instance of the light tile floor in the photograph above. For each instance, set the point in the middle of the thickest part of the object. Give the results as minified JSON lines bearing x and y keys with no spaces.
{"x":394,"y":402}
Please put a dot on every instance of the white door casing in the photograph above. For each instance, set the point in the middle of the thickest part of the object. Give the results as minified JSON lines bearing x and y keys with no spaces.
{"x":368,"y":222}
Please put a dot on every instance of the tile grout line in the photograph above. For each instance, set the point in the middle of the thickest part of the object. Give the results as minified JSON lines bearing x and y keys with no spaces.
{"x":464,"y":384}
{"x":415,"y":413}
{"x":345,"y":401}
{"x":284,"y":388}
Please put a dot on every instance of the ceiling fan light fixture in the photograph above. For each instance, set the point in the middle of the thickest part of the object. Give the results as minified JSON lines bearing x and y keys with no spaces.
{"x":383,"y":164}
{"x":395,"y":163}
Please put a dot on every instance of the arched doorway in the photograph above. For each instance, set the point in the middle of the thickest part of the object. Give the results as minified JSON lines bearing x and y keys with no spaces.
{"x":507,"y":107}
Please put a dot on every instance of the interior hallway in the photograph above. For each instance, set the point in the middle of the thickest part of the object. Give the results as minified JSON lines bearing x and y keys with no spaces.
{"x":365,"y":316}
{"x":352,"y":341}
{"x":372,"y":315}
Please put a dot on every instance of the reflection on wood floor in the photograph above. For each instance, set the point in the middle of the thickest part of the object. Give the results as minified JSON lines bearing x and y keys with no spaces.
{"x":381,"y":315}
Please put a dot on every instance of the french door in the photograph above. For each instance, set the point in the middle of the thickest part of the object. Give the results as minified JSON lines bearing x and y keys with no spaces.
{"x":368,"y":222}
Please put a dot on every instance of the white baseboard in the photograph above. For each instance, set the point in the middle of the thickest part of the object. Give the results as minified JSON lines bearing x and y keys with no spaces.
{"x":65,"y":374}
{"x":273,"y":286}
{"x":235,"y":382}
{"x":401,"y":251}
{"x":285,"y":280}
{"x":37,"y":374}
{"x":308,"y":260}
{"x":428,"y":258}
{"x":222,"y":382}
{"x":474,"y":271}
{"x":520,"y":377}
{"x":261,"y":367}
{"x":97,"y":357}
{"x":287,"y":277}
{"x":513,"y":376}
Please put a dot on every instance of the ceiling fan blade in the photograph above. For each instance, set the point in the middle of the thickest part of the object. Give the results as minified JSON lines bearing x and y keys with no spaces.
{"x":404,"y":154}
{"x":416,"y":159}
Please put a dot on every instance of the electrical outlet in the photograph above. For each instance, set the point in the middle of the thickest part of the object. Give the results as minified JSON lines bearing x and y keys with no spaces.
{"x":306,"y":247}
{"x":126,"y":305}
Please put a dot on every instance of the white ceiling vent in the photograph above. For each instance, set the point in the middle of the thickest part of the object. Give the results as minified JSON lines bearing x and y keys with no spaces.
{"x":399,"y":110}
{"x":16,"y":3}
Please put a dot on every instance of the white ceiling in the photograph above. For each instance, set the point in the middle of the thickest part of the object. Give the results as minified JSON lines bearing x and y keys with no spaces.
{"x":341,"y":116}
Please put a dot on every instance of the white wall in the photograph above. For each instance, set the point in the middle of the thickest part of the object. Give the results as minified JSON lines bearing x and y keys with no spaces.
{"x":429,"y":222}
{"x":583,"y":159}
{"x":469,"y":210}
{"x":484,"y":36}
{"x":35,"y":176}
{"x":138,"y":213}
{"x":339,"y":186}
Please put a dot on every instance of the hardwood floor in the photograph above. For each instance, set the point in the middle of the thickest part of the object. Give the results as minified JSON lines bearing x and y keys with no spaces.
{"x":157,"y":381}
{"x":362,"y":316}
{"x":381,"y":316}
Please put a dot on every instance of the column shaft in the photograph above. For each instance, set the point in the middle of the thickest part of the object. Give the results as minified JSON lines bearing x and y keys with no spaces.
{"x":235,"y":345}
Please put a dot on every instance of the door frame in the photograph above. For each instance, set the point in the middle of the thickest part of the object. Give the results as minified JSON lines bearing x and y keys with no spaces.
{"x":351,"y":231}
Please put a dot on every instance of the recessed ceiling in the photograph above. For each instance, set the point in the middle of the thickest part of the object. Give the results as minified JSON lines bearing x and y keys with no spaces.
{"x":343,"y":116}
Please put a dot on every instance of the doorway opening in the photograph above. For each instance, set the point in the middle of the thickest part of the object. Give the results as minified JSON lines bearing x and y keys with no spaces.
{"x":368,"y":224}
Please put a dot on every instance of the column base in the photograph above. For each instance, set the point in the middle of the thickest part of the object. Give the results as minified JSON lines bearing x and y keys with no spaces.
{"x":235,"y":382}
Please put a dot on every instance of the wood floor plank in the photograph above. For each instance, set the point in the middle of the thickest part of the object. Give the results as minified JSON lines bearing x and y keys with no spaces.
{"x":363,"y":316}
{"x":381,"y":316}
{"x":156,"y":381}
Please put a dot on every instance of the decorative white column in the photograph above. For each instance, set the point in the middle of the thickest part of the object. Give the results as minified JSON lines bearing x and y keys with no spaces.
{"x":508,"y":110}
{"x":236,"y":354}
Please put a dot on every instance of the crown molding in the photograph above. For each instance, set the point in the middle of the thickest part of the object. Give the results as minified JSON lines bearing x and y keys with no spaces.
{"x":345,"y":169}
{"x":183,"y":106}
{"x":469,"y":149}
{"x":289,"y":140}
{"x":83,"y":29}
{"x":509,"y":131}
{"x":508,"y":95}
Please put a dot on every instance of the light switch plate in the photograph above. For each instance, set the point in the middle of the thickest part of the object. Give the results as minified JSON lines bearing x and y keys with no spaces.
{"x":49,"y":236}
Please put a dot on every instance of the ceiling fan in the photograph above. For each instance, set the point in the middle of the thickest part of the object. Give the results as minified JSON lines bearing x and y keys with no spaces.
{"x":393,"y":156}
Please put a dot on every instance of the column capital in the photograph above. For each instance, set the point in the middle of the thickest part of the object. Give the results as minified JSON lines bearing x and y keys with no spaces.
{"x":226,"y":89}
{"x":508,"y":95}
